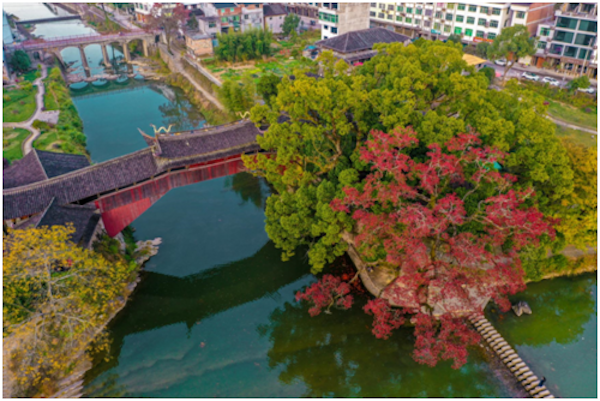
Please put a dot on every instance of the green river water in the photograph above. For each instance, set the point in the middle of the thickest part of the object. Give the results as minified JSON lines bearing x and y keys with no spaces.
{"x":215,"y":316}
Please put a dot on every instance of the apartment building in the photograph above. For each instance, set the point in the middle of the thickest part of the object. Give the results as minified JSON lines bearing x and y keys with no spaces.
{"x":229,"y":15}
{"x":473,"y":22}
{"x":569,"y":43}
{"x":531,"y":15}
{"x":274,"y":17}
{"x":308,"y":13}
{"x":142,"y":12}
{"x":252,"y":16}
{"x":339,"y":18}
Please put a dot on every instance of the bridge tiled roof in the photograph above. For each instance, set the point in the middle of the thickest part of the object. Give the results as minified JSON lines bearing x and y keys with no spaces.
{"x":207,"y":141}
{"x":176,"y":151}
{"x":83,"y":217}
{"x":79,"y":184}
{"x":39,"y":165}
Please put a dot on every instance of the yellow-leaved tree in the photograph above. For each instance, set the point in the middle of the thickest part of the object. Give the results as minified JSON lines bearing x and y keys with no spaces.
{"x":578,"y":218}
{"x":56,"y":297}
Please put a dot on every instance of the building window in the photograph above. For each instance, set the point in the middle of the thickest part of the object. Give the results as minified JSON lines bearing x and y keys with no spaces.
{"x":400,"y":8}
{"x":326,"y":27}
{"x":460,"y":18}
{"x":457,"y":30}
{"x":372,"y":13}
{"x":494,"y":24}
{"x":390,"y":7}
{"x":438,"y":14}
{"x":582,"y":53}
{"x":409,"y":20}
{"x":381,"y":15}
{"x":437,"y":26}
{"x":333,"y":29}
{"x":450,"y":6}
{"x":556,"y":49}
{"x":470,"y":20}
{"x":373,"y":4}
{"x":417,"y":22}
{"x":232,"y":9}
{"x":568,"y":23}
{"x":429,"y":13}
{"x":382,"y":6}
{"x":480,"y":34}
{"x":481,"y":21}
{"x":398,"y":18}
{"x":448,"y":17}
{"x":563,"y":36}
{"x":491,"y":35}
{"x":496,"y":11}
{"x":473,"y":9}
{"x":419,"y":11}
{"x":544,"y":31}
{"x":520,"y":14}
{"x":461,"y":7}
{"x":588,"y":26}
{"x":334,"y":6}
{"x":224,"y":19}
{"x":427,"y":24}
{"x":447,"y":28}
{"x":328,"y":17}
{"x":484,"y":10}
{"x":246,"y":16}
{"x":409,"y":10}
{"x":570,"y":51}
{"x":389,"y":16}
{"x":586,"y":40}
{"x":541,"y":45}
{"x":468,"y":32}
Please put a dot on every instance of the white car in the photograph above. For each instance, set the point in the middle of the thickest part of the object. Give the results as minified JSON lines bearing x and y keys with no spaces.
{"x":589,"y":90}
{"x":502,"y":62}
{"x":551,"y":81}
{"x":531,"y":76}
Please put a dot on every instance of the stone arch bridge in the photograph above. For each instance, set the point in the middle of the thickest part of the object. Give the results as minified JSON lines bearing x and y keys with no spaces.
{"x":124,"y":187}
{"x":55,"y":46}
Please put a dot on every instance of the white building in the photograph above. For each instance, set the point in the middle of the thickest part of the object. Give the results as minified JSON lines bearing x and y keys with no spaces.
{"x":570,"y":42}
{"x":340,"y":18}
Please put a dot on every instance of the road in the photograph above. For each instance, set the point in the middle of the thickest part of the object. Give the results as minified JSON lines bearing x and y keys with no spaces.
{"x":27,"y":145}
{"x":517,"y":70}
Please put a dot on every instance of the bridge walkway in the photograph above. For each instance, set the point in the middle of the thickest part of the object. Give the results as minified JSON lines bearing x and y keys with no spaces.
{"x":510,"y":358}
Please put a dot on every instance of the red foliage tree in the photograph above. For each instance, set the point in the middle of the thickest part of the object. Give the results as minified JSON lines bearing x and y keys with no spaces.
{"x":385,"y":318}
{"x":329,"y":291}
{"x":450,"y":224}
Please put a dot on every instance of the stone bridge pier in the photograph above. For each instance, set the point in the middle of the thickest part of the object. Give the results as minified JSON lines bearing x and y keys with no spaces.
{"x":105,"y":57}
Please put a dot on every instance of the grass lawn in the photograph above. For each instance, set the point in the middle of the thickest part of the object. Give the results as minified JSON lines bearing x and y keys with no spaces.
{"x":31,"y":75}
{"x":280,"y":66}
{"x":11,"y":143}
{"x":584,"y":138}
{"x":46,"y":141}
{"x":19,"y":105}
{"x":572,"y":115}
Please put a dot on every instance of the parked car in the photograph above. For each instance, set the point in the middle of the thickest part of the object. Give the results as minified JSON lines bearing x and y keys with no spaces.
{"x":531,"y":76}
{"x":502,"y":62}
{"x":551,"y":81}
{"x":589,"y":90}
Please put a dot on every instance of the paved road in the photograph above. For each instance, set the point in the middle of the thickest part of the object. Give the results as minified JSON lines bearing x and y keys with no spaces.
{"x":27,"y":145}
{"x":517,"y":70}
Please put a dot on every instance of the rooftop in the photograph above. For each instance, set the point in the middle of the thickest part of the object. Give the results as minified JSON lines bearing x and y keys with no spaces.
{"x":472,"y":60}
{"x":224,"y":5}
{"x":365,"y":39}
{"x":273,"y":9}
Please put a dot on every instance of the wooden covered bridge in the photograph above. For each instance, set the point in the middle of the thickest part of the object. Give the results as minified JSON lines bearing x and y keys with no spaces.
{"x":124,"y":187}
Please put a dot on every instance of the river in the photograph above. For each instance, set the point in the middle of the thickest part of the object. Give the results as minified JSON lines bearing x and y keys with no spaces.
{"x":215,"y":316}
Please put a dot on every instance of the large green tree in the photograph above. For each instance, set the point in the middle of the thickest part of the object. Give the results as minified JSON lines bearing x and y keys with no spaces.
{"x":513,"y":42}
{"x":20,"y":61}
{"x":317,"y":126}
{"x":290,"y":23}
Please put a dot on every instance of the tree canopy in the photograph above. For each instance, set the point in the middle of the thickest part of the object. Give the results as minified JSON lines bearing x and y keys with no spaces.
{"x":290,"y":23}
{"x":56,"y":295}
{"x":243,"y":46}
{"x":169,"y":19}
{"x":513,"y":42}
{"x":20,"y":61}
{"x":581,"y":82}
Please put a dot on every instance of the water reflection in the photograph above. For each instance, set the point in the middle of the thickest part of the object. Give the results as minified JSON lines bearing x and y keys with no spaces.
{"x":178,"y":111}
{"x":337,"y":356}
{"x":244,"y":185}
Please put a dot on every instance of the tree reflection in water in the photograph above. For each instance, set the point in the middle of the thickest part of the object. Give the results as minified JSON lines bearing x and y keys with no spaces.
{"x":178,"y":111}
{"x":249,"y":188}
{"x":561,"y":308}
{"x":337,"y":356}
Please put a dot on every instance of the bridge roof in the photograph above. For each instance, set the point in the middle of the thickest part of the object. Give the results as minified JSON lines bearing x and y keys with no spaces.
{"x":83,"y":217}
{"x":211,"y":144}
{"x":39,"y":165}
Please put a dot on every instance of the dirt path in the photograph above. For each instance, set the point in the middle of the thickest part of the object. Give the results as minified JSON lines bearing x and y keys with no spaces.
{"x":572,"y":126}
{"x":39,"y":99}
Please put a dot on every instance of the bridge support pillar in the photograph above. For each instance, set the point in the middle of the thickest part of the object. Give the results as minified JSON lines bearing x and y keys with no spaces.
{"x":83,"y":59}
{"x":58,"y":56}
{"x":105,"y":56}
{"x":126,"y":52}
{"x":145,"y":47}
